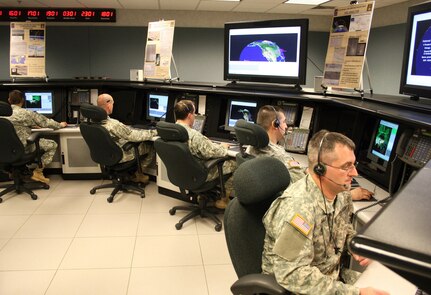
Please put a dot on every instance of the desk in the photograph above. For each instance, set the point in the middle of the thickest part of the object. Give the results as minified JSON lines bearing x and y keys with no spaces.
{"x":74,"y":153}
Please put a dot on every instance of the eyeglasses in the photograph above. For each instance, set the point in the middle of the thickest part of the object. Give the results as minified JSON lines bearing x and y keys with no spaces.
{"x":346,"y":168}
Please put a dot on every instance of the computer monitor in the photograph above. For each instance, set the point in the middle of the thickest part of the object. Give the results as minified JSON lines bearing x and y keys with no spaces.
{"x":157,"y":106}
{"x":272,"y":51}
{"x":240,"y":109}
{"x":39,"y":101}
{"x":382,"y":144}
{"x":416,"y":72}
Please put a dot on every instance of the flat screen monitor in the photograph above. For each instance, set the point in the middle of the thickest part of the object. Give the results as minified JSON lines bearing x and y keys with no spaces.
{"x":40,"y":102}
{"x":157,"y":106}
{"x":266,"y":51}
{"x":240,"y":109}
{"x":416,"y":72}
{"x":382,"y":144}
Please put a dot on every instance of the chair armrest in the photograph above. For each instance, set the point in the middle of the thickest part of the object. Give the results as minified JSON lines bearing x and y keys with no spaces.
{"x":33,"y":138}
{"x":257,"y":284}
{"x":213,"y":162}
{"x":128,"y":145}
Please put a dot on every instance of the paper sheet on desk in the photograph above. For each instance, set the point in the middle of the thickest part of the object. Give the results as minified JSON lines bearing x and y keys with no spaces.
{"x":380,"y":277}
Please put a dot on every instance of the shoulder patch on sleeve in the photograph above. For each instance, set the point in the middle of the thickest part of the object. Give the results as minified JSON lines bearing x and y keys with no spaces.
{"x":290,"y":243}
{"x":301,"y":225}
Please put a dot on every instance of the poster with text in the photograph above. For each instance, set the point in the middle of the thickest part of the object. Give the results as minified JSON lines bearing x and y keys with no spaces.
{"x":27,"y":49}
{"x":347,"y":45}
{"x":158,"y":51}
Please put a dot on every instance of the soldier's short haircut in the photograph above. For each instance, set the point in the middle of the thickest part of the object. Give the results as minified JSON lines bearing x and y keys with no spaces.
{"x":15,"y":97}
{"x":183,"y":108}
{"x":327,"y":145}
{"x":266,"y":116}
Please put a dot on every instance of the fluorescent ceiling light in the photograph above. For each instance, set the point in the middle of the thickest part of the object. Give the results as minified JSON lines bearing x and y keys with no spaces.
{"x":307,"y":2}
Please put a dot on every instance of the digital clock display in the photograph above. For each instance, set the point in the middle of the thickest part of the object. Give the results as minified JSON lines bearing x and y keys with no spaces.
{"x":58,"y":15}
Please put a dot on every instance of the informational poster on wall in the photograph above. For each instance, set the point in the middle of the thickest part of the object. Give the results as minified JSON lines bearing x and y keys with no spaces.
{"x":27,"y":49}
{"x":347,"y":45}
{"x":158,"y":51}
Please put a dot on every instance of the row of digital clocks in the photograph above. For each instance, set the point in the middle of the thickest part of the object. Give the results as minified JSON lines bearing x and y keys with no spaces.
{"x":57,"y":14}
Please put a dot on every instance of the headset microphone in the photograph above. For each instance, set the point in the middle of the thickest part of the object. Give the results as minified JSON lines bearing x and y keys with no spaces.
{"x":345,"y":186}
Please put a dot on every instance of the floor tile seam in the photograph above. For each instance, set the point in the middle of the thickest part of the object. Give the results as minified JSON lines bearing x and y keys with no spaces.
{"x":28,"y":217}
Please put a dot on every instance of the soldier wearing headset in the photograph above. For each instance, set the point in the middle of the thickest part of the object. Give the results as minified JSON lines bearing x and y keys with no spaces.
{"x":273,"y":120}
{"x":309,"y":227}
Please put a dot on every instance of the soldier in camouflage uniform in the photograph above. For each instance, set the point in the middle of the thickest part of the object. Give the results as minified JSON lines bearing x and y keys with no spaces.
{"x":267,"y":117}
{"x":123,"y":134}
{"x":24,"y":120}
{"x":308,"y":227}
{"x":203,"y":148}
{"x":273,"y":120}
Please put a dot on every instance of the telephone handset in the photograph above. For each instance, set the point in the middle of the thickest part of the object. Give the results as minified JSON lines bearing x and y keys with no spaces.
{"x":414,"y":147}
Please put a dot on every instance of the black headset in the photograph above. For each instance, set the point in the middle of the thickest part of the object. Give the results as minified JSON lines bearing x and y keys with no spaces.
{"x":276,"y":122}
{"x":320,"y":168}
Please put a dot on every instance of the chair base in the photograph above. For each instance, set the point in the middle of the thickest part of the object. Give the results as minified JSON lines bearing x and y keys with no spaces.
{"x":19,"y":186}
{"x":198,"y":210}
{"x":119,"y":186}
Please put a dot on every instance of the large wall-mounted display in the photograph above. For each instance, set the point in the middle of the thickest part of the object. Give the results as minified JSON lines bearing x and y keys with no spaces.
{"x":416,"y":73}
{"x":266,"y":51}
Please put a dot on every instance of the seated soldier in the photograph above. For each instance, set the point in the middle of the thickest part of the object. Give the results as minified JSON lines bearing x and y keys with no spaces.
{"x":123,"y":134}
{"x":203,"y":148}
{"x":273,"y":120}
{"x":24,"y":120}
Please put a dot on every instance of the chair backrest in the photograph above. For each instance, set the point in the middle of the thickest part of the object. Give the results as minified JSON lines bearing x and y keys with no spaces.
{"x":249,"y":134}
{"x":257,"y":183}
{"x":11,"y":148}
{"x":184,"y":170}
{"x":103,"y":149}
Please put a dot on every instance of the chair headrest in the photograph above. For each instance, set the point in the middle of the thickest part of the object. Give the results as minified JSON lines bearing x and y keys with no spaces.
{"x":5,"y":109}
{"x":93,"y":112}
{"x":172,"y":132}
{"x":259,"y":179}
{"x":251,"y":134}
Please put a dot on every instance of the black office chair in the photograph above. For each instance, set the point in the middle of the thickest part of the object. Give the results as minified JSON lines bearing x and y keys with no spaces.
{"x":105,"y":152}
{"x":189,"y":174}
{"x":14,"y":159}
{"x":257,"y":183}
{"x":249,"y":134}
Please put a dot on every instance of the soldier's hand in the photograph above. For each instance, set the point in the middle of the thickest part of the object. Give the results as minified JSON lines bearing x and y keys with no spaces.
{"x":372,"y":291}
{"x":225,"y":145}
{"x":362,"y":260}
{"x":63,"y":124}
{"x":361,"y":193}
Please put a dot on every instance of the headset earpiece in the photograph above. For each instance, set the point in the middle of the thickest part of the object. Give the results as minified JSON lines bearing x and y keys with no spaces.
{"x":276,"y":122}
{"x":320,"y":168}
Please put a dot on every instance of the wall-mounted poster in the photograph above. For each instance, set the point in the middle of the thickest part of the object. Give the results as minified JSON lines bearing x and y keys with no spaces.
{"x":347,"y":45}
{"x":158,"y":51}
{"x":27,"y":49}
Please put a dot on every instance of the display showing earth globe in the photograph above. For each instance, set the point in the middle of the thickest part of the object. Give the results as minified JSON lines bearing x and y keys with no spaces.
{"x":262,"y":50}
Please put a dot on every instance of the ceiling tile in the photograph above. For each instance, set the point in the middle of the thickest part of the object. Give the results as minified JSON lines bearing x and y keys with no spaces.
{"x":179,"y":4}
{"x":216,"y":5}
{"x":139,"y":4}
{"x":258,"y":7}
{"x":290,"y":8}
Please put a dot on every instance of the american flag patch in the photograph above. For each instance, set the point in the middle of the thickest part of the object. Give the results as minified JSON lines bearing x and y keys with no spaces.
{"x":300,"y":224}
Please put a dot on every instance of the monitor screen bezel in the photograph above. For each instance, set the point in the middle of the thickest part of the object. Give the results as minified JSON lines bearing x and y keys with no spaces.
{"x":229,"y":107}
{"x":414,"y":90}
{"x":299,"y":79}
{"x":378,"y":160}
{"x":38,"y":110}
{"x":150,"y":117}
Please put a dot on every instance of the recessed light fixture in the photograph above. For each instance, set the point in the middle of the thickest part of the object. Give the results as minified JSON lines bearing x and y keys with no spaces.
{"x":306,"y":2}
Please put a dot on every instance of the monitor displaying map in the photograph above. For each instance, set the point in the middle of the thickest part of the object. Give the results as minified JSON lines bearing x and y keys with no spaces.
{"x":266,"y":51}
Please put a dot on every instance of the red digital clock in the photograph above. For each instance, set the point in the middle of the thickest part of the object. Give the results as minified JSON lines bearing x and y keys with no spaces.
{"x":58,"y":15}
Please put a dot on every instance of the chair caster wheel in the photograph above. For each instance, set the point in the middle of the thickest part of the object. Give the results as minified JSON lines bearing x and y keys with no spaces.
{"x":46,"y":186}
{"x":172,"y":211}
{"x":142,"y":196}
{"x":1,"y":200}
{"x":33,"y":197}
{"x":218,"y":227}
{"x":92,"y":191}
{"x":110,"y":199}
{"x":178,"y":226}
